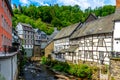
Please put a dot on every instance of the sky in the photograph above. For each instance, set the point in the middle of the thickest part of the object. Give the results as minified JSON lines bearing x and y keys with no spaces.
{"x":82,"y":3}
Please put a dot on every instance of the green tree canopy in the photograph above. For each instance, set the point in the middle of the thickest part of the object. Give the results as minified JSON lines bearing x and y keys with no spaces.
{"x":47,"y":17}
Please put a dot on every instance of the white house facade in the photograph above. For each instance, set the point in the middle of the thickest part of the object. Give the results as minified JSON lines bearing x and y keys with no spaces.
{"x":62,"y":41}
{"x":26,"y":33}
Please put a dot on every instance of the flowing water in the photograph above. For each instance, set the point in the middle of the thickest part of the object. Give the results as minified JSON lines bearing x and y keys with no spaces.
{"x":35,"y":72}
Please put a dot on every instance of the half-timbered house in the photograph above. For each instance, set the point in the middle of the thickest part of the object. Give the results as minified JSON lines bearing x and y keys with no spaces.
{"x":96,"y":39}
{"x":61,"y":41}
{"x":93,"y":41}
{"x":72,"y":54}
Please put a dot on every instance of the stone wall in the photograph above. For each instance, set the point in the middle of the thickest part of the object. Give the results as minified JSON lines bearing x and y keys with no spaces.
{"x":49,"y":49}
{"x":115,"y":68}
{"x":36,"y":50}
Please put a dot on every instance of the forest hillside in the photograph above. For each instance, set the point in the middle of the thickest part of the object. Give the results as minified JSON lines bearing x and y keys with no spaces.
{"x":47,"y":17}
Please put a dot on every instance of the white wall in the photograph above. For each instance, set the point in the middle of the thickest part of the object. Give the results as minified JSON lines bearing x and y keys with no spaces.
{"x":19,"y":29}
{"x":8,"y":67}
{"x":61,"y":44}
{"x":117,"y":36}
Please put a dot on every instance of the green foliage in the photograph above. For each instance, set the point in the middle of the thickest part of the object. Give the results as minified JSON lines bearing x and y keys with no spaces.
{"x":44,"y":60}
{"x":82,"y":71}
{"x":47,"y":17}
{"x":23,"y":58}
{"x":58,"y":67}
{"x":73,"y":69}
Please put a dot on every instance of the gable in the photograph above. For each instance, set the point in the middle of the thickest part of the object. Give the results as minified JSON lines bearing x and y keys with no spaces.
{"x":91,"y":17}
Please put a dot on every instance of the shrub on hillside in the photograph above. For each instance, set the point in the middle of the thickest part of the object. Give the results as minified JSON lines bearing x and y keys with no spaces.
{"x":84,"y":71}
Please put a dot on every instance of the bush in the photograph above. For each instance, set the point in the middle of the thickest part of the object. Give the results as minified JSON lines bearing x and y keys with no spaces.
{"x":84,"y":71}
{"x":58,"y":67}
{"x":53,"y":63}
{"x":66,"y":66}
{"x":73,"y":69}
{"x":44,"y":60}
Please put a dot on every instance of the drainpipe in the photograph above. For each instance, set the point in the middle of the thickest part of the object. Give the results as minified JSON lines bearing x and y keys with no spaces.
{"x":12,"y":68}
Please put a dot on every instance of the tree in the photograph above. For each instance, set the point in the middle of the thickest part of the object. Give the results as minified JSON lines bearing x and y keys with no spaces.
{"x":47,"y":17}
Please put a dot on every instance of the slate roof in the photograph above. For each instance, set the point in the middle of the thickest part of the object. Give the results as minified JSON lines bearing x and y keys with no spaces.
{"x":24,"y":24}
{"x":50,"y":37}
{"x":36,"y":30}
{"x":90,"y":17}
{"x":26,"y":27}
{"x":72,"y":48}
{"x":101,"y":25}
{"x":63,"y":51}
{"x":67,"y":31}
{"x":117,"y":14}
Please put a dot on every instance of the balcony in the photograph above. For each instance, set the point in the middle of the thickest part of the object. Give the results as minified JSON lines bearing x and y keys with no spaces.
{"x":115,"y":55}
{"x":10,"y":49}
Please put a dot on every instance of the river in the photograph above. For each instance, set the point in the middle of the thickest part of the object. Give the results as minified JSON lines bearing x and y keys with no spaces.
{"x":33,"y":71}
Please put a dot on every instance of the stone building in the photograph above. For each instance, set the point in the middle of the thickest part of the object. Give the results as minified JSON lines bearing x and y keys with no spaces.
{"x":44,"y":42}
{"x":50,"y":46}
{"x":37,"y":43}
{"x":49,"y":49}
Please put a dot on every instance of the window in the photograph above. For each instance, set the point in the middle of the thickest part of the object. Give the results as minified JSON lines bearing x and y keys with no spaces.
{"x":100,"y":42}
{"x":80,"y":54}
{"x":90,"y":43}
{"x":25,"y":41}
{"x":31,"y":42}
{"x":90,"y":55}
{"x":101,"y":56}
{"x":43,"y":36}
{"x":69,"y":54}
{"x":86,"y":54}
{"x":25,"y":36}
{"x":2,"y":20}
{"x":81,"y":44}
{"x":3,"y":3}
{"x":86,"y":44}
{"x":39,"y":37}
{"x":2,"y":39}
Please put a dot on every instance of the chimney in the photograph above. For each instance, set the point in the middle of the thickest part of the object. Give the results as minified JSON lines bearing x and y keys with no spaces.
{"x":117,"y":6}
{"x":117,"y":3}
